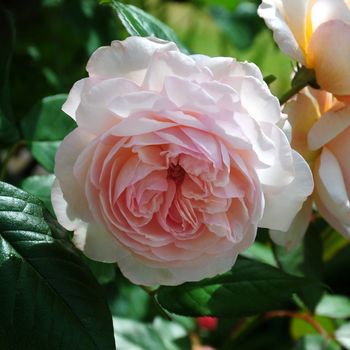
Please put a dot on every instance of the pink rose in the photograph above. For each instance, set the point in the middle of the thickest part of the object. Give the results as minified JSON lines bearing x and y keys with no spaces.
{"x":320,"y":128}
{"x":315,"y":33}
{"x":175,"y":162}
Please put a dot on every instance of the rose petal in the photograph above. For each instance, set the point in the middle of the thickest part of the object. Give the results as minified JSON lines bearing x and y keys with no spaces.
{"x":272,"y":12}
{"x":294,"y":236}
{"x":282,"y":205}
{"x":126,"y":59}
{"x":328,"y":127}
{"x":331,"y":59}
{"x":330,"y":187}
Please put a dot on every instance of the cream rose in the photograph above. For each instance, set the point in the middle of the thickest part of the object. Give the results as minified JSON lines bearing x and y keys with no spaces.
{"x":320,"y":128}
{"x":316,"y":33}
{"x":175,"y":162}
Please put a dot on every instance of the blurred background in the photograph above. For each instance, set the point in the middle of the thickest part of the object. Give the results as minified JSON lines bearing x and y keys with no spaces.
{"x":54,"y":39}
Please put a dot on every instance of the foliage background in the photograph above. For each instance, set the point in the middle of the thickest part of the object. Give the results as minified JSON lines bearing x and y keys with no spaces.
{"x":53,"y":41}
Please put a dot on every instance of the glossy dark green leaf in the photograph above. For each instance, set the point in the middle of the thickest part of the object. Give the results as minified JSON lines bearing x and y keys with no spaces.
{"x":141,"y":23}
{"x":40,"y":187}
{"x":161,"y":335}
{"x":49,"y":298}
{"x":248,"y":289}
{"x":8,"y":130}
{"x":44,"y":127}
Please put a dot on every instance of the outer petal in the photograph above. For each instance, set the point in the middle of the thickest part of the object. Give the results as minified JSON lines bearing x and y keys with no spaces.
{"x":330,"y":57}
{"x":328,"y":10}
{"x":328,"y":127}
{"x":74,"y":97}
{"x":303,"y":113}
{"x":126,"y":59}
{"x":331,"y":196}
{"x":64,"y":212}
{"x":98,"y":244}
{"x":282,"y":205}
{"x":274,"y":16}
{"x":69,"y":151}
{"x":256,"y":98}
{"x":293,"y":237}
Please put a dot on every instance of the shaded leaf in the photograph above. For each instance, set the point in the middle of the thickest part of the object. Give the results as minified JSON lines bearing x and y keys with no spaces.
{"x":140,"y":23}
{"x":103,"y":272}
{"x":44,"y":127}
{"x":8,"y":130}
{"x":46,"y":289}
{"x":232,"y":293}
{"x":40,"y":187}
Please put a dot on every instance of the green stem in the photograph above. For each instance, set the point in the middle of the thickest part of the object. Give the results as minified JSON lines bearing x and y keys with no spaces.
{"x":11,"y":152}
{"x":293,"y":91}
{"x":303,"y":77}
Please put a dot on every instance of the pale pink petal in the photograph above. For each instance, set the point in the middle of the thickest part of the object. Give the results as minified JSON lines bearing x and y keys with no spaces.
{"x":94,"y":112}
{"x":126,"y":59}
{"x":294,"y":236}
{"x":340,"y":148}
{"x":281,"y":172}
{"x":256,"y":99}
{"x":171,"y":64}
{"x":273,"y":13}
{"x":328,"y":127}
{"x":331,"y":189}
{"x":74,"y":98}
{"x":64,"y":212}
{"x":73,"y":189}
{"x":330,"y":58}
{"x":327,"y":10}
{"x":282,"y":205}
{"x":222,"y":67}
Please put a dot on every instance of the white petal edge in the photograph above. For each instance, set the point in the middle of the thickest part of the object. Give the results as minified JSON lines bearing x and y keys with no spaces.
{"x":281,"y":206}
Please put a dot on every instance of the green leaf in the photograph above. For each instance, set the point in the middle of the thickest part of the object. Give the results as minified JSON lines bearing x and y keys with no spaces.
{"x":248,"y":289}
{"x":8,"y":130}
{"x":44,"y":152}
{"x":40,"y":187}
{"x":127,"y":300}
{"x":103,"y":272}
{"x":140,"y":23}
{"x":334,"y":306}
{"x":316,"y":342}
{"x":240,"y":26}
{"x":342,"y":335}
{"x":260,"y":252}
{"x":162,"y":335}
{"x":305,"y":261}
{"x":44,"y":127}
{"x":49,"y":297}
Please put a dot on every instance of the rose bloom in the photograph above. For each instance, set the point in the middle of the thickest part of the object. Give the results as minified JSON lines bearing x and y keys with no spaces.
{"x":175,"y":162}
{"x":320,"y":131}
{"x":315,"y":33}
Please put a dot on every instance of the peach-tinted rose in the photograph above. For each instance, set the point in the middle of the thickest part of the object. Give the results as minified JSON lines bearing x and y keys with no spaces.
{"x":320,"y":127}
{"x":316,"y":33}
{"x":175,"y":162}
